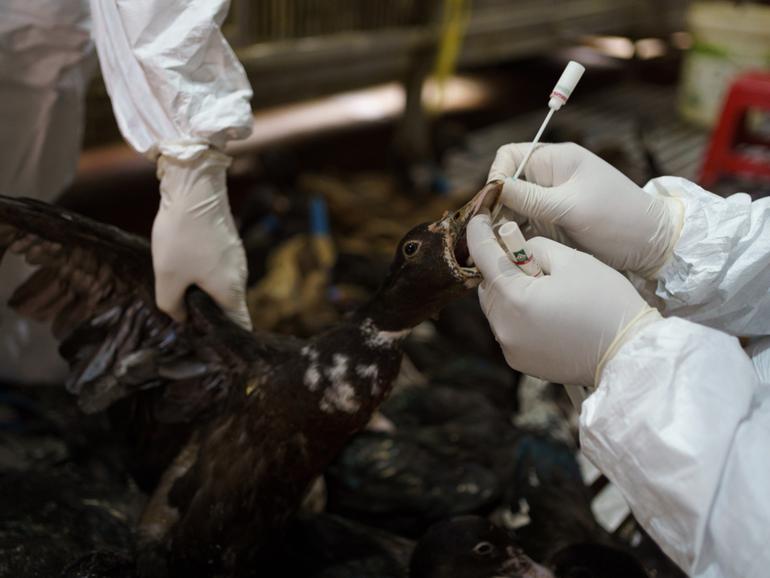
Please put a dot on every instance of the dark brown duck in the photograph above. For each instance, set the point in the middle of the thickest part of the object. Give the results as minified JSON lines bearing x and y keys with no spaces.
{"x":228,"y":427}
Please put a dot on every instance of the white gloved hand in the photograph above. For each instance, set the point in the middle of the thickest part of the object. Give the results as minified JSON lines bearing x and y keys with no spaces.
{"x":563,"y":326}
{"x":591,"y":204}
{"x":194,"y":239}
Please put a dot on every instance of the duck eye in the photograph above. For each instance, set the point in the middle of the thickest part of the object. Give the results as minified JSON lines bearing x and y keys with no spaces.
{"x":411,"y":248}
{"x":483,"y":548}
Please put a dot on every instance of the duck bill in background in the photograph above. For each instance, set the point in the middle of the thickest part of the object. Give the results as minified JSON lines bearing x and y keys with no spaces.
{"x":453,"y":226}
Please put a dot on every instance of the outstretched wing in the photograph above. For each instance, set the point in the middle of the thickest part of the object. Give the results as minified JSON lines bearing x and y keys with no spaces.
{"x":94,"y":284}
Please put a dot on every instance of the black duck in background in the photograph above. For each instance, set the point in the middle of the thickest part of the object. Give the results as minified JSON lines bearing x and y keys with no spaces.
{"x":440,"y":461}
{"x":472,"y":547}
{"x":455,"y":451}
{"x":392,"y":483}
{"x":232,"y":426}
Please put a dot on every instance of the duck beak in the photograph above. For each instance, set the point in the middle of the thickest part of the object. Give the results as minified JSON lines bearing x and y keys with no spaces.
{"x":452,"y":227}
{"x":485,"y":199}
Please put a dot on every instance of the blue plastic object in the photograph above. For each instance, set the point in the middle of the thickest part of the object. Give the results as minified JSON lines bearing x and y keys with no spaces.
{"x":319,"y":216}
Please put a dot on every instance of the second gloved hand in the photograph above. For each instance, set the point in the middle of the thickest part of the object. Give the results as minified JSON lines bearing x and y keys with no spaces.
{"x":194,"y":238}
{"x":592,"y":204}
{"x":563,"y":326}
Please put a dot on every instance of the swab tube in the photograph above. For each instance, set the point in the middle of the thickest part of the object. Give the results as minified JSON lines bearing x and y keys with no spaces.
{"x":518,"y":250}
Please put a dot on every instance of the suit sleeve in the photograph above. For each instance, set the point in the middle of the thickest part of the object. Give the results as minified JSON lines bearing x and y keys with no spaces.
{"x":176,"y":86}
{"x":680,"y":423}
{"x":719,"y":272}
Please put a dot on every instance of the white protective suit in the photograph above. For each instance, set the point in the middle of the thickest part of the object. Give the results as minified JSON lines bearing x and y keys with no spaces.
{"x":177,"y":90}
{"x":680,"y":418}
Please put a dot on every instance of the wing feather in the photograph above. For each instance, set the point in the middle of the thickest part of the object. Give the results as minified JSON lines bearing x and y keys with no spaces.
{"x":94,"y":284}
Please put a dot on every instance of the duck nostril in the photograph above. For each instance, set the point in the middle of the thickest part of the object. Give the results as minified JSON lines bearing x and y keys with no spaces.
{"x":457,"y":215}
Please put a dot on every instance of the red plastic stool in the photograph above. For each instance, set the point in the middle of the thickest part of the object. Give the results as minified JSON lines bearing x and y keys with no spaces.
{"x":750,"y":90}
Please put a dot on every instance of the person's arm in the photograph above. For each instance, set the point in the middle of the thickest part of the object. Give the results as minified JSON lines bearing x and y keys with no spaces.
{"x":718,"y":273}
{"x":677,"y":418}
{"x":680,"y":423}
{"x":179,"y":94}
{"x":46,"y":62}
{"x":692,"y":253}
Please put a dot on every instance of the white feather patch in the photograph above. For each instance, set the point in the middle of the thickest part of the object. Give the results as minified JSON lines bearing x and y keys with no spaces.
{"x":339,"y":395}
{"x":378,"y":338}
{"x":312,"y":378}
{"x":370,"y":372}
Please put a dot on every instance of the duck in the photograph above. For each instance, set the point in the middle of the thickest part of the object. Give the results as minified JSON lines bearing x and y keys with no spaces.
{"x":439,"y":461}
{"x":473,"y":547}
{"x":391,"y":481}
{"x":228,"y":428}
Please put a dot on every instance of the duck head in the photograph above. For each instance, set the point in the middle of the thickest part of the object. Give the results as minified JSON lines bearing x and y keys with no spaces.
{"x":431,"y":268}
{"x":471,"y":547}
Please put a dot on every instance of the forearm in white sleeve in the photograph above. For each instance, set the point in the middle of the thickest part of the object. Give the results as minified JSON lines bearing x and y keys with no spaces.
{"x":680,"y":423}
{"x":175,"y":84}
{"x":46,"y":62}
{"x":179,"y":94}
{"x":719,"y":271}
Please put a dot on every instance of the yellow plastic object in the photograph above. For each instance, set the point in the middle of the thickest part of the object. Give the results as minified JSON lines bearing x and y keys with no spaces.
{"x":294,"y":288}
{"x":325,"y":252}
{"x":456,"y":14}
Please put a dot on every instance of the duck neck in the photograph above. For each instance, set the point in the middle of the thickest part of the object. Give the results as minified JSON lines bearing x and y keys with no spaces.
{"x":376,"y":336}
{"x":386,"y":316}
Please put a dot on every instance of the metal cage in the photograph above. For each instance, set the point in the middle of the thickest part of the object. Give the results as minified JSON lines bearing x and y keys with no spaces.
{"x":264,"y":21}
{"x":299,"y":49}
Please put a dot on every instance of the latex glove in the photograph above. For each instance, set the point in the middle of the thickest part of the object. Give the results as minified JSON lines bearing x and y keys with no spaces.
{"x":194,"y":239}
{"x":563,"y":326}
{"x":592,"y":204}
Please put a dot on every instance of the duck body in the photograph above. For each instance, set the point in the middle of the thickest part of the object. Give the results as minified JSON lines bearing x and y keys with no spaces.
{"x":294,"y":418}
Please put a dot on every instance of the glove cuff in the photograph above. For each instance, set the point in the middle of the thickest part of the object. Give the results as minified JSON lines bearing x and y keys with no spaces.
{"x":645,"y":317}
{"x":193,"y":183}
{"x":183,"y":149}
{"x":672,"y":231}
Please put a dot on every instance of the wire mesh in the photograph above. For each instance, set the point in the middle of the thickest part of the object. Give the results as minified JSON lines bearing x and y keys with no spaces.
{"x":260,"y":21}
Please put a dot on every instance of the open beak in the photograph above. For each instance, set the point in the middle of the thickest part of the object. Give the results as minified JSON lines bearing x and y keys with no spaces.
{"x":452,"y":226}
